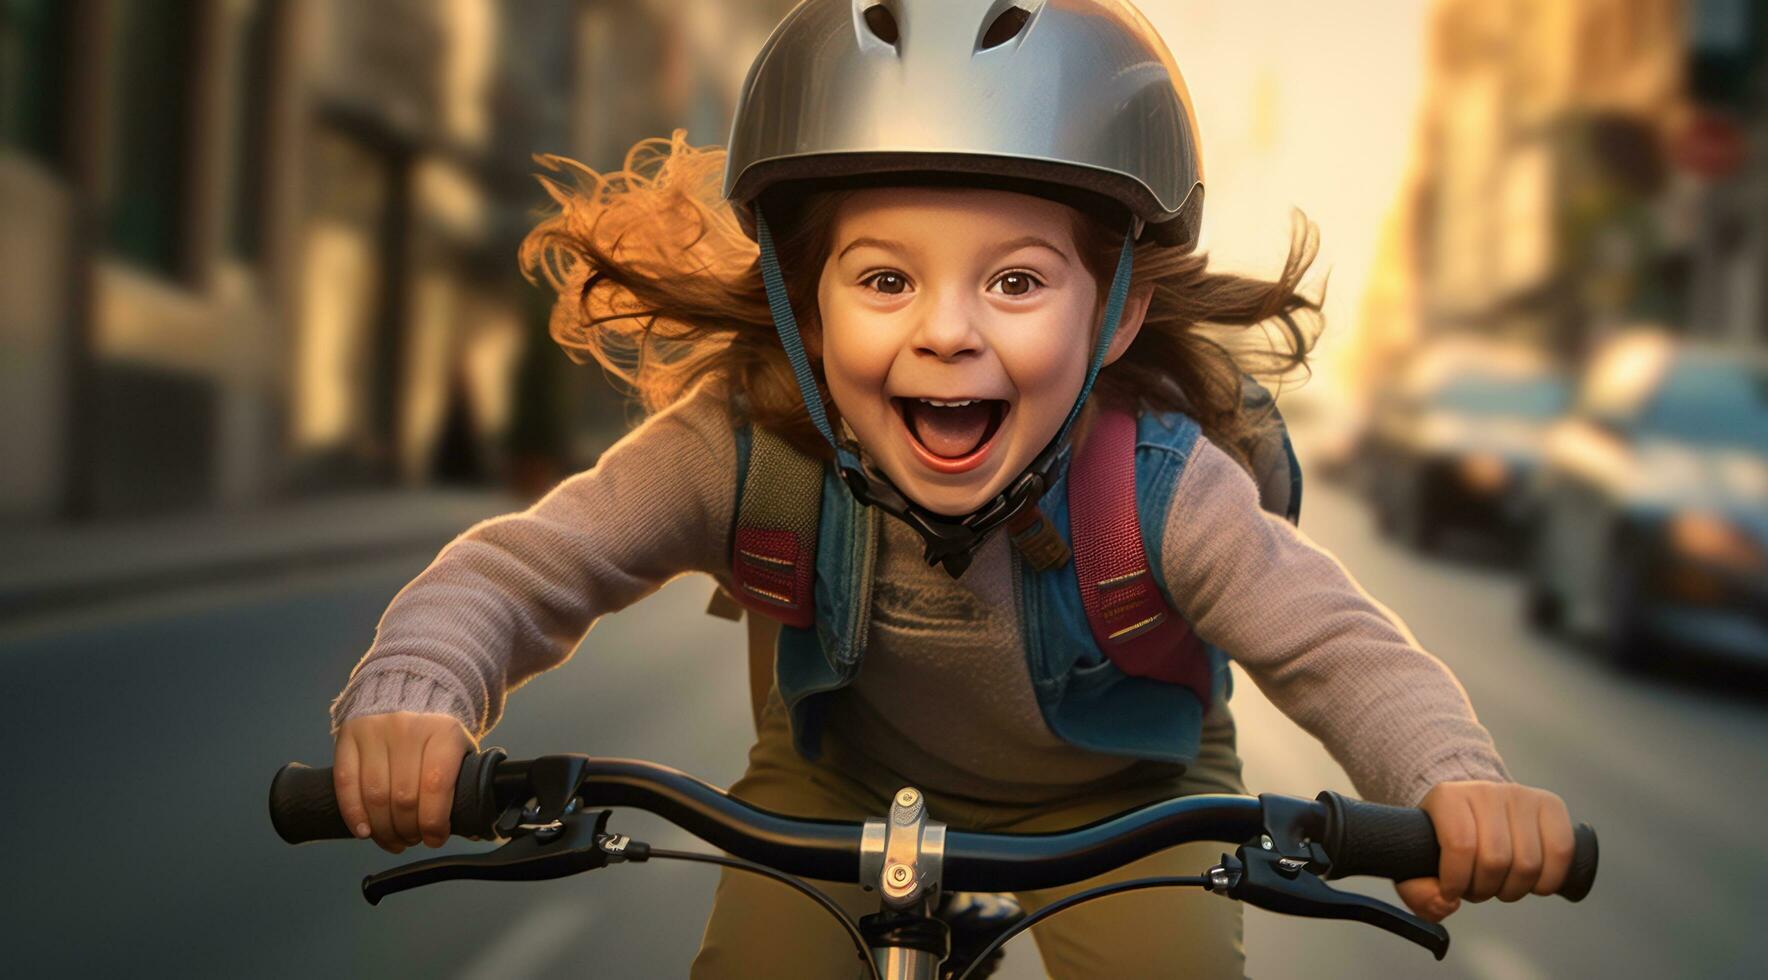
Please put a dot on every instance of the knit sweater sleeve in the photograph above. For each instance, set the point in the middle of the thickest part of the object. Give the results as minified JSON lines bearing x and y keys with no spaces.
{"x":1334,"y":660}
{"x":513,"y":596}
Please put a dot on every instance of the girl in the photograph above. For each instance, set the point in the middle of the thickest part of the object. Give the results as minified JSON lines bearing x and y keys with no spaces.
{"x":961,"y":231}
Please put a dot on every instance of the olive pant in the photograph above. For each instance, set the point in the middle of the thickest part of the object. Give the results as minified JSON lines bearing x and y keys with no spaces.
{"x":760,"y":928}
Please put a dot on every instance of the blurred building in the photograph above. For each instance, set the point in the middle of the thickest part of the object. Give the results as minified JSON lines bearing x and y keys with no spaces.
{"x":1560,"y":189}
{"x":258,"y":248}
{"x":1725,"y":143}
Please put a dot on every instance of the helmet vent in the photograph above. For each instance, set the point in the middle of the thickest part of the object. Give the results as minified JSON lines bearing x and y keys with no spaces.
{"x":1006,"y":27}
{"x":882,"y":23}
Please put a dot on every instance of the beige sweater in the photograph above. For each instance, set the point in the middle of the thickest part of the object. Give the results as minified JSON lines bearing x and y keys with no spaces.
{"x":513,"y":596}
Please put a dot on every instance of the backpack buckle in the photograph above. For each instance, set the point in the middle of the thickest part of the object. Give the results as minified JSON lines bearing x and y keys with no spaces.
{"x":1037,"y":540}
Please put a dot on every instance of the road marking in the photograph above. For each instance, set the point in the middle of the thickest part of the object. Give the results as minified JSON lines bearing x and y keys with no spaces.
{"x":276,"y":590}
{"x":530,"y":944}
{"x":1483,"y":956}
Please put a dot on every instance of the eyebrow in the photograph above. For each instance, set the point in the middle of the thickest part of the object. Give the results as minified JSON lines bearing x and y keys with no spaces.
{"x":1028,"y":241}
{"x":1031,"y":241}
{"x":871,"y":243}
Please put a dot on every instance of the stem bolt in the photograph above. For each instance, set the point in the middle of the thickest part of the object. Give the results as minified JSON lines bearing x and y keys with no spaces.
{"x":908,"y":796}
{"x":1264,"y":841}
{"x":900,"y":875}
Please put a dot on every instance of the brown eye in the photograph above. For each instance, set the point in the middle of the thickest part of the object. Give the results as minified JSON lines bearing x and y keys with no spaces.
{"x":1018,"y":283}
{"x":888,"y":283}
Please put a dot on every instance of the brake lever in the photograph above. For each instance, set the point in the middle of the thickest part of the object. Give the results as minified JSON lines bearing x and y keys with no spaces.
{"x":1267,"y":880}
{"x":572,"y":845}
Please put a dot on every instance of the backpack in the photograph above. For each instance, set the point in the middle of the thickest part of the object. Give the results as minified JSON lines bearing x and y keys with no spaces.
{"x":1133,"y":621}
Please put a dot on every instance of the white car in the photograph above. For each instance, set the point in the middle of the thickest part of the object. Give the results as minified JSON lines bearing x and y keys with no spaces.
{"x":1653,"y":504}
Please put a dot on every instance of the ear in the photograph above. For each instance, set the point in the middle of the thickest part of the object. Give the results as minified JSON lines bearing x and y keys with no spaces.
{"x":1135,"y":311}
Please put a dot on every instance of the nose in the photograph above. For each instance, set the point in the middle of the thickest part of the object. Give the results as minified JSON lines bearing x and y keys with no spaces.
{"x":946,"y":331}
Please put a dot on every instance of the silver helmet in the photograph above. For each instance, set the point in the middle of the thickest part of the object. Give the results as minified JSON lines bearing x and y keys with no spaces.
{"x":1075,"y":94}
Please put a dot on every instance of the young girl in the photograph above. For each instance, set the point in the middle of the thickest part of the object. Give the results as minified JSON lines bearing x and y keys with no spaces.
{"x":976,"y":226}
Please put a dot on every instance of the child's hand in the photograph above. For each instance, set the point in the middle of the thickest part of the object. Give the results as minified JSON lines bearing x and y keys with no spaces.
{"x":1497,"y":839}
{"x":395,"y":773}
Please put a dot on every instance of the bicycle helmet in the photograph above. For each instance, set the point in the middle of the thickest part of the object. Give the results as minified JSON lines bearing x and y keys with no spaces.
{"x":1079,"y":100}
{"x":1073,"y":93}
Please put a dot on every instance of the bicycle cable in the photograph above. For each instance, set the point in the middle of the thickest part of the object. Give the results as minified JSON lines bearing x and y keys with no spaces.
{"x":1184,"y":881}
{"x":828,"y":904}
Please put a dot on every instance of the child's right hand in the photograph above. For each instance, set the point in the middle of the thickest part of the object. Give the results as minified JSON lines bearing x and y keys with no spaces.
{"x":395,"y":773}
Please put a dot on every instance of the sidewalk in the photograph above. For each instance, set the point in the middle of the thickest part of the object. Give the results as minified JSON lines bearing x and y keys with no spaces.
{"x":55,"y":568}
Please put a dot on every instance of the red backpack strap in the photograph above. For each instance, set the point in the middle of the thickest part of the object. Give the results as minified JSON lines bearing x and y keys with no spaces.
{"x":773,"y":549}
{"x":1126,"y":610}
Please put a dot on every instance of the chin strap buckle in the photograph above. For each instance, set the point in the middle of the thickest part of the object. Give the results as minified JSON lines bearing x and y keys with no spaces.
{"x":952,"y":543}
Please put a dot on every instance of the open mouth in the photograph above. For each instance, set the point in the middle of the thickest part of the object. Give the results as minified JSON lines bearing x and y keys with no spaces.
{"x":952,"y":436}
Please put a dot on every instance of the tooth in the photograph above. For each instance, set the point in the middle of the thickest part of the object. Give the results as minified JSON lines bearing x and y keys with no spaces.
{"x":937,"y":403}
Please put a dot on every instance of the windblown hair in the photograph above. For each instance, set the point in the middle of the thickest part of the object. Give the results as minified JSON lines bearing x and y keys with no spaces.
{"x":659,"y":285}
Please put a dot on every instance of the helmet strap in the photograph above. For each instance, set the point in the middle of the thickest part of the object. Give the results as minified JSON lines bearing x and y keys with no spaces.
{"x":951,"y":542}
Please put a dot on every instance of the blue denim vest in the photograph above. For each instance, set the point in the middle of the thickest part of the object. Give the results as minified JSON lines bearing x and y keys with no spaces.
{"x":1086,"y":700}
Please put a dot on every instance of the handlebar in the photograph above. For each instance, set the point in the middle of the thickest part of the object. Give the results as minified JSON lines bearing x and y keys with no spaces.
{"x":1342,"y":835}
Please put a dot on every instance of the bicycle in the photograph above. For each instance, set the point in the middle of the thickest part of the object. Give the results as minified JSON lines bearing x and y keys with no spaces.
{"x":543,"y":810}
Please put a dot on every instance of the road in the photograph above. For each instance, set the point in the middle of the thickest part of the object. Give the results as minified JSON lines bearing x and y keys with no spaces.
{"x":143,"y":737}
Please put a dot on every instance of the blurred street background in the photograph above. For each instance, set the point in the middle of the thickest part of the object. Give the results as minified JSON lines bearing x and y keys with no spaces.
{"x":264,"y":348}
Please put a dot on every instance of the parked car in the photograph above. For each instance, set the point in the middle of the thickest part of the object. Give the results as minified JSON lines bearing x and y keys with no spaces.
{"x":1453,"y":447}
{"x":1653,"y":497}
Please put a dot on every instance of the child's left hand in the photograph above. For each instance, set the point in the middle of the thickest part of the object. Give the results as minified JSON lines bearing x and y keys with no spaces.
{"x":1497,"y":839}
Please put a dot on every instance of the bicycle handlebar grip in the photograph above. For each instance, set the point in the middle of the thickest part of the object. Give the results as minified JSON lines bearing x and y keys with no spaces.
{"x":304,"y":802}
{"x":1582,"y":874}
{"x":304,"y":806}
{"x":1366,"y":838}
{"x":1400,"y":843}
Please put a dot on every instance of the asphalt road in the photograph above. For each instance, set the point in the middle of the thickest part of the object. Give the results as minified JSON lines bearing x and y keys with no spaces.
{"x":142,"y":738}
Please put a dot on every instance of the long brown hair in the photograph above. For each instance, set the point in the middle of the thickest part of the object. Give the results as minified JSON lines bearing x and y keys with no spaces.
{"x":659,"y":285}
